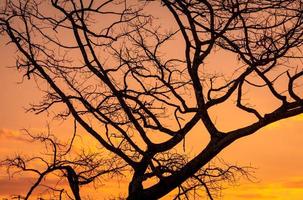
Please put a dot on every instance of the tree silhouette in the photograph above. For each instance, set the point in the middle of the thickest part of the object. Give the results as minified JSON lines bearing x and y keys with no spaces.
{"x":123,"y":78}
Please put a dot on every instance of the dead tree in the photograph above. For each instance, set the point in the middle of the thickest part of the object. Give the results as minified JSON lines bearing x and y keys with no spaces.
{"x":109,"y":63}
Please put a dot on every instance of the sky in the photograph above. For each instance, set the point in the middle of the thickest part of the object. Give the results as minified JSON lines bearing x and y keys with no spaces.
{"x":275,"y":152}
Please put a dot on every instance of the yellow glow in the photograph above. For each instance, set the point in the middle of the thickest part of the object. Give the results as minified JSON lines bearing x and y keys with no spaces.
{"x":287,"y":190}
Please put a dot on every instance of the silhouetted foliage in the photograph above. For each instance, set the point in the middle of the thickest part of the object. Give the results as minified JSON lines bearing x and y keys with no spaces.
{"x":124,"y":79}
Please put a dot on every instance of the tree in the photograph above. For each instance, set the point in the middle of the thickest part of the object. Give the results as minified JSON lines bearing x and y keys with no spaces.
{"x":109,"y":63}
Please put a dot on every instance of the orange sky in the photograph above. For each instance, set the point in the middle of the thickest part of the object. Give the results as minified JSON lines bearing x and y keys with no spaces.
{"x":276,"y":151}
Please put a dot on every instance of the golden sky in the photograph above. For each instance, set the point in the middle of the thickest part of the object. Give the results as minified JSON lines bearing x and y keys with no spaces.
{"x":275,"y":151}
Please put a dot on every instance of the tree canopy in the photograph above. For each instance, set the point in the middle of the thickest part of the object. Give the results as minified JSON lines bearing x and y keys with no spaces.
{"x":139,"y":85}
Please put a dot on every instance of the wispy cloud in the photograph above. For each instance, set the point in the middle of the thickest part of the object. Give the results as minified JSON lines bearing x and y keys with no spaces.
{"x":255,"y":196}
{"x":15,"y":186}
{"x":12,"y":135}
{"x":20,"y":185}
{"x":289,"y":189}
{"x":294,"y":184}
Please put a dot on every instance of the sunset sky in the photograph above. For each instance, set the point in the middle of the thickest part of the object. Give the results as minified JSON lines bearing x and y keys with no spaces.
{"x":275,"y":152}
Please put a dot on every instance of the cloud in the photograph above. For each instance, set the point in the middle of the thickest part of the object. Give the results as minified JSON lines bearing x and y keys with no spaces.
{"x":7,"y":134}
{"x":21,"y":185}
{"x":289,"y":188}
{"x":15,"y":186}
{"x":254,"y":196}
{"x":294,"y":184}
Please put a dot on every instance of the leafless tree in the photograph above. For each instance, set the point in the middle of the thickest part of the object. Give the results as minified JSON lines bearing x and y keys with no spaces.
{"x":78,"y":168}
{"x":111,"y":64}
